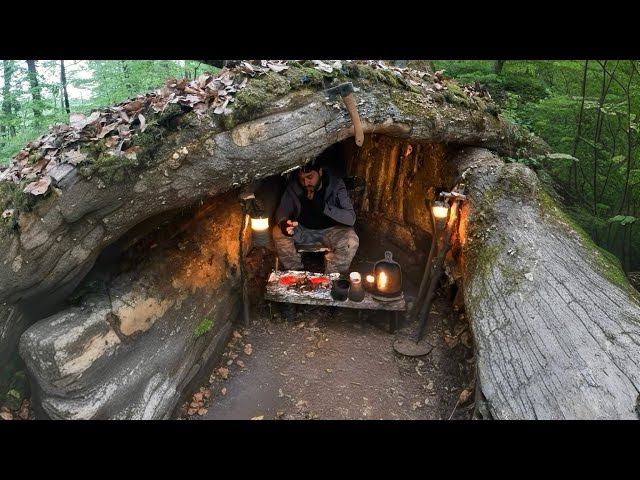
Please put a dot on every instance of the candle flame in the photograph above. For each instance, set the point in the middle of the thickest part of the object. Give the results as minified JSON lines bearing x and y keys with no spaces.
{"x":382,"y":281}
{"x":371,"y":278}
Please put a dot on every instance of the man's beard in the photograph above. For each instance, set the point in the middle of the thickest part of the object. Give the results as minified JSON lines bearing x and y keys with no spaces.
{"x":311,"y":190}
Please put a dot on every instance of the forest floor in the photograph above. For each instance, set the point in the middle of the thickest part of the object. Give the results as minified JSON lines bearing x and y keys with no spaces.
{"x":331,"y":364}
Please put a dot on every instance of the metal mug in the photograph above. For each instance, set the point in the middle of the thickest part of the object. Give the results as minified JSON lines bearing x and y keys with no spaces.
{"x":340,"y":289}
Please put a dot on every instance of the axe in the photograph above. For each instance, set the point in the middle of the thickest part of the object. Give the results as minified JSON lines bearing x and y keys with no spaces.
{"x":345,"y":90}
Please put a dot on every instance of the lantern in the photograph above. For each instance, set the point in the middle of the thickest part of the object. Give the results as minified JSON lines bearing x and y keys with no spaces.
{"x":388,"y":278}
{"x":259,"y":230}
{"x":440,"y":210}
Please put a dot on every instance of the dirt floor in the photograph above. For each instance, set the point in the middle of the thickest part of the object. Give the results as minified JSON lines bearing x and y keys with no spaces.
{"x":331,"y":364}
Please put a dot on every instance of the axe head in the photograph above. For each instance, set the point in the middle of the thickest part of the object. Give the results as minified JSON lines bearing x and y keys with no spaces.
{"x":343,"y":90}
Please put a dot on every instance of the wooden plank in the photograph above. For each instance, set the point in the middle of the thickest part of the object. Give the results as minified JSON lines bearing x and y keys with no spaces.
{"x":278,"y":292}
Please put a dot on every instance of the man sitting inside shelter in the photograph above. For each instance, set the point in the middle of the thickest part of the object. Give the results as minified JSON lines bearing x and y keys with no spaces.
{"x":315,"y":208}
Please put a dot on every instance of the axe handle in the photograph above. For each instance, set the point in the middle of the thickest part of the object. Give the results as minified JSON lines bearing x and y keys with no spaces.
{"x":350,"y":103}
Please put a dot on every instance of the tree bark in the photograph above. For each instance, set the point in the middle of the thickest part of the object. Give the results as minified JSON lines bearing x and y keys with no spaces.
{"x":35,"y":91}
{"x":63,"y":84}
{"x":556,"y":324}
{"x":497,"y":66}
{"x":7,"y":99}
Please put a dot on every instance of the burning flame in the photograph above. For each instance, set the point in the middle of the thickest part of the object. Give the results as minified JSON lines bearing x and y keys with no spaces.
{"x":259,"y":224}
{"x":382,"y":281}
{"x":371,"y":279}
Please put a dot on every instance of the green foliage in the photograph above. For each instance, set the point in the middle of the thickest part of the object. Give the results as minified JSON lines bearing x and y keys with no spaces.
{"x":591,"y":167}
{"x":203,"y":327}
{"x":622,"y":219}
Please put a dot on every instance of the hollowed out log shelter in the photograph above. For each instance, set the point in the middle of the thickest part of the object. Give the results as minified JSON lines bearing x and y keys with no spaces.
{"x":132,"y":213}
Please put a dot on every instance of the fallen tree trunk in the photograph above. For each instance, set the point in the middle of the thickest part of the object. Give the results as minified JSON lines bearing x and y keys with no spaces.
{"x":166,"y":156}
{"x":556,"y":324}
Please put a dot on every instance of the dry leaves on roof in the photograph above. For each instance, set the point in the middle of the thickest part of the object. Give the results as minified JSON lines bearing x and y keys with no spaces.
{"x":59,"y":151}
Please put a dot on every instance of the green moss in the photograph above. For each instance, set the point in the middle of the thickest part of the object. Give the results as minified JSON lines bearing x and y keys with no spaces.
{"x":35,"y":156}
{"x":169,"y":117}
{"x":12,"y":197}
{"x":149,"y":142}
{"x":388,"y":77}
{"x":486,"y":259}
{"x":411,"y":103}
{"x":113,"y":168}
{"x":603,"y":261}
{"x":258,"y":93}
{"x":298,"y":76}
{"x":229,"y":121}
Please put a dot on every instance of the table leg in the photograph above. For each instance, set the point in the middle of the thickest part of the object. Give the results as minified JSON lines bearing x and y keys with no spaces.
{"x":393,"y":322}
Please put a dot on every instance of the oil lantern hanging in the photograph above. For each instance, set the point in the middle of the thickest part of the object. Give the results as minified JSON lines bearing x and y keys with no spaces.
{"x":388,"y":278}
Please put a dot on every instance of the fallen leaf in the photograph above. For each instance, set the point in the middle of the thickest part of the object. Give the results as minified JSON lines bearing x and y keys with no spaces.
{"x":106,"y":129}
{"x":123,"y":115}
{"x":6,"y":416}
{"x":323,"y":67}
{"x":310,"y":354}
{"x":130,"y":152}
{"x":451,"y":341}
{"x":38,"y":187}
{"x":124,"y":130}
{"x":133,"y":106}
{"x":39,"y":165}
{"x":202,"y":411}
{"x":277,"y":67}
{"x":21,"y":155}
{"x":222,"y":107}
{"x":207,"y":393}
{"x":74,"y":157}
{"x":143,"y":122}
{"x":464,"y":395}
{"x":261,"y":417}
{"x":237,"y":334}
{"x":7,"y":213}
{"x":240,"y":363}
{"x":329,"y":370}
{"x":191,"y":411}
{"x":223,"y":391}
{"x":111,"y":141}
{"x":198,"y":397}
{"x":247,"y":349}
{"x":223,"y":372}
{"x":77,"y":120}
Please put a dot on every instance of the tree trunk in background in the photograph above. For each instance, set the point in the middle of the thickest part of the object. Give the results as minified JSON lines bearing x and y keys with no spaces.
{"x":555,"y":322}
{"x":63,"y":84}
{"x":497,"y":66}
{"x":7,"y":100}
{"x":127,"y":77}
{"x":573,"y":169}
{"x":35,"y":91}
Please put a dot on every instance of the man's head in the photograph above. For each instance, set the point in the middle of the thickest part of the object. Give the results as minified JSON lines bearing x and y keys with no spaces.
{"x":310,"y":177}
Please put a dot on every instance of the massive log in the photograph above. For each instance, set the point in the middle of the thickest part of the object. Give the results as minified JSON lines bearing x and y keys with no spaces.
{"x":82,"y":359}
{"x":556,"y":324}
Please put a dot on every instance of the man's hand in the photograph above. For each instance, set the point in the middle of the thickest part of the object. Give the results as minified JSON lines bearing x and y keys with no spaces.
{"x":286,"y":226}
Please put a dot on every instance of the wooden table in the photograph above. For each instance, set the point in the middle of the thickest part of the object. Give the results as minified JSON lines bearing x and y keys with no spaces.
{"x":278,"y":292}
